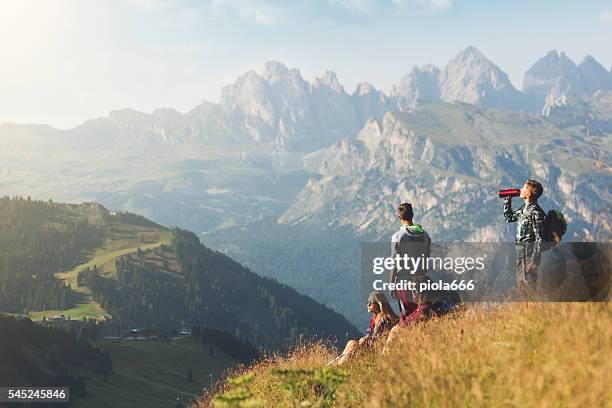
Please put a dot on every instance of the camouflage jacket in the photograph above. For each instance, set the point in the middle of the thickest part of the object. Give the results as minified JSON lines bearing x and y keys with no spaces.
{"x":530,"y":228}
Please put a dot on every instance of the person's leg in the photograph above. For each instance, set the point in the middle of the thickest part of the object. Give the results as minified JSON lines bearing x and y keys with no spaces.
{"x":347,"y":353}
{"x":393,"y":335}
{"x":520,"y":268}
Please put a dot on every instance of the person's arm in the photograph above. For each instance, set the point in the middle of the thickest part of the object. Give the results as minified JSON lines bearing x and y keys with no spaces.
{"x":381,"y":327}
{"x":509,"y":215}
{"x":395,"y":249}
{"x":537,"y":223}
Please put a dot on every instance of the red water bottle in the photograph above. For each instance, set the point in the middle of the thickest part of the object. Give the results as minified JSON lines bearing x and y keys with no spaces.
{"x":509,"y":192}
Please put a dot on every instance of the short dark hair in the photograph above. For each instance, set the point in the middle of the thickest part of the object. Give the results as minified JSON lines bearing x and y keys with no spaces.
{"x":405,"y":211}
{"x":536,"y":188}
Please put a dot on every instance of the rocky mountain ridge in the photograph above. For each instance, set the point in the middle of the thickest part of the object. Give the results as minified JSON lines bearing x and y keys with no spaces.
{"x":450,"y":160}
{"x":279,"y":109}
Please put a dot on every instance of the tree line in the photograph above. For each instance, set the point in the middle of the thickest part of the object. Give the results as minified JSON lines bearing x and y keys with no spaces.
{"x":36,"y":355}
{"x":210,"y":290}
{"x":38,"y":239}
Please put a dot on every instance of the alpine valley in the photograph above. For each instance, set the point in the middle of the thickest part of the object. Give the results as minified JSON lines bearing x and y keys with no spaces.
{"x":287,"y":176}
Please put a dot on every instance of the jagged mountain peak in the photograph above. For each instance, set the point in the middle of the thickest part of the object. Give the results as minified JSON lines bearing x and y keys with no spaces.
{"x":554,"y":61}
{"x":364,"y":88}
{"x":594,"y":76}
{"x":472,"y":78}
{"x":248,"y":76}
{"x":272,"y":68}
{"x":546,"y":72}
{"x":555,"y":79}
{"x":275,"y":71}
{"x":419,"y":71}
{"x":590,"y":60}
{"x":552,"y":54}
{"x":421,"y":83}
{"x":474,"y":62}
{"x":329,"y":79}
{"x":430,"y":68}
{"x":590,"y":64}
{"x":471,"y":53}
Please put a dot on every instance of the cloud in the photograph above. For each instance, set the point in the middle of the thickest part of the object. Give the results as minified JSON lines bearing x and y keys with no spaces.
{"x":259,"y":12}
{"x":605,"y":16}
{"x":149,"y":6}
{"x":285,"y":12}
{"x":409,"y":6}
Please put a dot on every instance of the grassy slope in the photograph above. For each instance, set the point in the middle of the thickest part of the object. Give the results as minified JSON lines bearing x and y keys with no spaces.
{"x":139,"y":365}
{"x":514,"y":355}
{"x":121,"y":239}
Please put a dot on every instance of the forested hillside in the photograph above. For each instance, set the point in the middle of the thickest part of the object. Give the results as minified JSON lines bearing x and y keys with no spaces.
{"x":32,"y":354}
{"x":36,"y":240}
{"x":186,"y":283}
{"x":319,"y":263}
{"x":83,"y":261}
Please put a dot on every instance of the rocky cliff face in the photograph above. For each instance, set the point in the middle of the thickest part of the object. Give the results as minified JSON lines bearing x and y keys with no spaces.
{"x":450,"y":161}
{"x":297,"y":115}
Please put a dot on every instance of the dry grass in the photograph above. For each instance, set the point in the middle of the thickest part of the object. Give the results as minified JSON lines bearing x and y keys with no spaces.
{"x":511,"y":355}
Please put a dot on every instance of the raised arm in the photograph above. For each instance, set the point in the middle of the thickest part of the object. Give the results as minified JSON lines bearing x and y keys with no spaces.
{"x":509,"y":215}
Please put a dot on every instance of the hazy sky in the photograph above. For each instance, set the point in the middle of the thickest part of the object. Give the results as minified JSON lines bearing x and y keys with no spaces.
{"x":64,"y":61}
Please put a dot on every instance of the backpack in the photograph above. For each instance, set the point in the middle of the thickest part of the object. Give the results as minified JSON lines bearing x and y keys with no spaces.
{"x":448,"y":301}
{"x":554,"y":222}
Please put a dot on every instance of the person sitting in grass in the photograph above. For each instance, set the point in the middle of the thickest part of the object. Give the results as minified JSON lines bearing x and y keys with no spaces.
{"x":425,"y":307}
{"x":383,"y":319}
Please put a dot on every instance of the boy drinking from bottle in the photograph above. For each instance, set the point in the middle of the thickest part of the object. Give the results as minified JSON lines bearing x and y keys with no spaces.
{"x":529,"y":234}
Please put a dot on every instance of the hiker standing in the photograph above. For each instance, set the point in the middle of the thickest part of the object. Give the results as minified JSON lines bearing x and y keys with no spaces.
{"x":413,"y":241}
{"x":530,"y":220}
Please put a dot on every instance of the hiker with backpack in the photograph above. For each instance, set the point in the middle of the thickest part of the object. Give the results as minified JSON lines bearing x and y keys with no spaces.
{"x":411,"y":240}
{"x":529,"y":234}
{"x":425,"y":305}
{"x":383,"y":319}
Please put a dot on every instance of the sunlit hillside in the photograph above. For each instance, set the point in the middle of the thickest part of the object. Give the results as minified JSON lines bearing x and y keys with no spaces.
{"x":510,"y":355}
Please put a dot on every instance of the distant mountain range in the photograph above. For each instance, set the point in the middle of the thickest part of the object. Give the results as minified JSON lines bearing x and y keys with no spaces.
{"x":279,"y":108}
{"x":310,"y":154}
{"x":450,"y":160}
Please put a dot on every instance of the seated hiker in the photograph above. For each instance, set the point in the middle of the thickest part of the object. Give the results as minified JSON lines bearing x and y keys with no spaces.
{"x":383,"y":319}
{"x":423,"y":301}
{"x":424,"y":305}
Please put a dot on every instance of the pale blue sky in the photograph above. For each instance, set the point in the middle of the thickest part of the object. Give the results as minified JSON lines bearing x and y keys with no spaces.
{"x":65,"y":61}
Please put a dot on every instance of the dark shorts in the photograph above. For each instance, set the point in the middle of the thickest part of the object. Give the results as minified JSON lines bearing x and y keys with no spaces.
{"x":522,"y":261}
